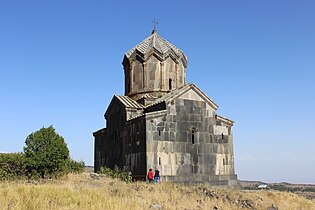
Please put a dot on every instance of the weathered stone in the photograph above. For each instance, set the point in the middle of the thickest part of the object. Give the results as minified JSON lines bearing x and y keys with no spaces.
{"x":163,"y":123}
{"x":95,"y":175}
{"x":272,"y":207}
{"x":156,"y":206}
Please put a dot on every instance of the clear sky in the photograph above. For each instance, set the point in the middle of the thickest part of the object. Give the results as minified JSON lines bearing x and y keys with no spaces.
{"x":60,"y":65}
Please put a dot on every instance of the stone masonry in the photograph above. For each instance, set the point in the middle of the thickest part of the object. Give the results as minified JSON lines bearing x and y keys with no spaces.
{"x":163,"y":123}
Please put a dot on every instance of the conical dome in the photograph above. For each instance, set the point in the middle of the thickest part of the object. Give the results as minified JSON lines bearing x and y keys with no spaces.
{"x":154,"y":67}
{"x":155,"y":43}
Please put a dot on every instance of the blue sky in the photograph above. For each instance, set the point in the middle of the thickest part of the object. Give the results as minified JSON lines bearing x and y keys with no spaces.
{"x":60,"y":65}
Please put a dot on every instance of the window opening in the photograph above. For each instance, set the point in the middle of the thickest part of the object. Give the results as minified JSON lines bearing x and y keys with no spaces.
{"x":193,"y":137}
{"x":170,"y":83}
{"x":159,"y":132}
{"x":159,"y":161}
{"x":128,"y":86}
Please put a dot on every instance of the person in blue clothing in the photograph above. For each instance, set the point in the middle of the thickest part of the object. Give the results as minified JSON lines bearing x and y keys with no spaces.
{"x":157,"y":176}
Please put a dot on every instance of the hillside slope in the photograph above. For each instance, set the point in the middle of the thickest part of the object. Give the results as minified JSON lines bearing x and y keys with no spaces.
{"x":80,"y":191}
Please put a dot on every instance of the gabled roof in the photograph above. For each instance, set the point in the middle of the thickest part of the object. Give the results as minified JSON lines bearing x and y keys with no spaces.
{"x":147,"y":95}
{"x":129,"y":103}
{"x":178,"y":92}
{"x":225,"y":119}
{"x":126,"y":101}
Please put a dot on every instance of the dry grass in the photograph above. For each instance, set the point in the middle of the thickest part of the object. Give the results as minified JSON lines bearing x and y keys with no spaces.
{"x":80,"y":191}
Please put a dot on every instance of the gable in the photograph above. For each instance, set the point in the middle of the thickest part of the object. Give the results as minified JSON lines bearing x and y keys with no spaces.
{"x":114,"y":106}
{"x":188,"y":92}
{"x":192,"y":92}
{"x":120,"y":104}
{"x":191,"y":95}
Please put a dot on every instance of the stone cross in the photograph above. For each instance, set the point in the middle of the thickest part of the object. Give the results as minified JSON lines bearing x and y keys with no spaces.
{"x":155,"y":22}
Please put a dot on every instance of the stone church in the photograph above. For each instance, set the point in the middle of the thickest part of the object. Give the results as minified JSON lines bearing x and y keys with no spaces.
{"x":163,"y":123}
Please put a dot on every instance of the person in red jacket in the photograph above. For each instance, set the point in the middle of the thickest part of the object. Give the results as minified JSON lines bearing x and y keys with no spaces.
{"x":150,"y":175}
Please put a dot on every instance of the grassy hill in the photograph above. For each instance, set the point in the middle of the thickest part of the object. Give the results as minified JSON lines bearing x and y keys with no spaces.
{"x":81,"y":191}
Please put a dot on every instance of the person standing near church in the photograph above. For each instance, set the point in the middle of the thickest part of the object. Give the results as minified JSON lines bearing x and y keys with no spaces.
{"x":157,"y":176}
{"x":150,"y":175}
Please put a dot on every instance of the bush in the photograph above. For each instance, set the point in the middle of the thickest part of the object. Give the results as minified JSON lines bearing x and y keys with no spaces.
{"x":74,"y":166}
{"x":12,"y":166}
{"x":116,"y":173}
{"x":46,"y":153}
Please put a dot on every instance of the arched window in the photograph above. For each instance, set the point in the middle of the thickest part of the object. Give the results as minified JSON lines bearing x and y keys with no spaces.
{"x":170,"y":83}
{"x":193,"y":136}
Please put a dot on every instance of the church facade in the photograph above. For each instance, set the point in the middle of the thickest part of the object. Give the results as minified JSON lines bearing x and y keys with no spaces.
{"x":163,"y":123}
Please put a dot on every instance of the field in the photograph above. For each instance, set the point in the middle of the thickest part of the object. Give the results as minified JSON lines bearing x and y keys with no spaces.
{"x":81,"y":191}
{"x":305,"y":190}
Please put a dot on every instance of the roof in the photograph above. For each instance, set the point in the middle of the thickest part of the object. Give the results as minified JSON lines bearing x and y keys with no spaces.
{"x":225,"y":119}
{"x":147,"y":95}
{"x":178,"y":92}
{"x":126,"y":101}
{"x":158,"y":44}
{"x":99,"y":132}
{"x":129,"y":103}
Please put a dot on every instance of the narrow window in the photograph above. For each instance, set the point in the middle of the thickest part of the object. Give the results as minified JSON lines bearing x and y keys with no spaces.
{"x":223,"y":161}
{"x":159,"y":161}
{"x":170,"y":83}
{"x":193,"y":137}
{"x":159,"y":132}
{"x":128,"y":86}
{"x":222,"y":136}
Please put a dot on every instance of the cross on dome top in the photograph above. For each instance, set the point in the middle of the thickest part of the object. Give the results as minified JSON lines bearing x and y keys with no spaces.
{"x":155,"y":23}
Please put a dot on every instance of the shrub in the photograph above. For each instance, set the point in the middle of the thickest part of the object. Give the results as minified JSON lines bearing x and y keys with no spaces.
{"x":74,"y":166}
{"x":46,"y":153}
{"x":116,"y":173}
{"x":12,"y":166}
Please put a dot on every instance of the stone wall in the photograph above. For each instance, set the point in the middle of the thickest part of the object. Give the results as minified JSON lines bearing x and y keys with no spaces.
{"x":153,"y":76}
{"x":122,"y":142}
{"x":134,"y":147}
{"x":182,"y":144}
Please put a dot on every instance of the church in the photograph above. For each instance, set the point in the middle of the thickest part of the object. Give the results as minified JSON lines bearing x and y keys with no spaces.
{"x":163,"y":123}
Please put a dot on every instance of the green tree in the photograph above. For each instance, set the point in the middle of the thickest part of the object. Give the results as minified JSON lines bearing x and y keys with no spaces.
{"x":12,"y":166}
{"x":46,"y":153}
